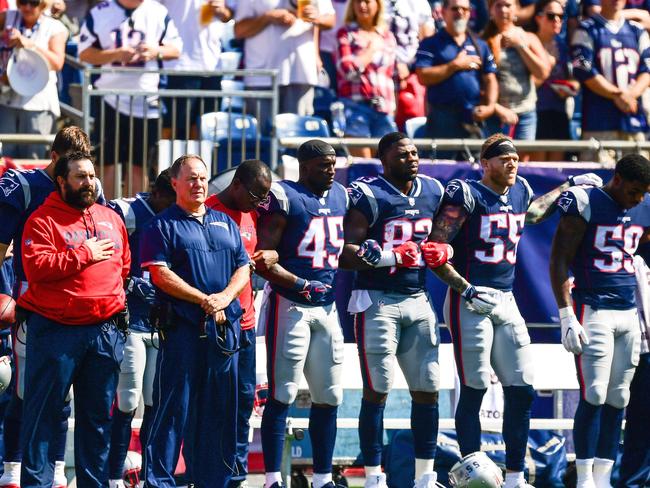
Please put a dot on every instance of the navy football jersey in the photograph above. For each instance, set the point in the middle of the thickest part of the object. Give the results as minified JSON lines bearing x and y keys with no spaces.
{"x":22,"y":192}
{"x":603,"y":266}
{"x":485,"y":248}
{"x":136,"y":214}
{"x":618,"y":51}
{"x":393,"y":219}
{"x":313,"y":237}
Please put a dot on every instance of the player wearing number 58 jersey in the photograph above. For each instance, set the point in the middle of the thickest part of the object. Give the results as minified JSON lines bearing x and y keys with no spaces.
{"x":596,"y":239}
{"x":483,"y":220}
{"x":611,"y":59}
{"x":303,"y":221}
{"x":389,"y":217}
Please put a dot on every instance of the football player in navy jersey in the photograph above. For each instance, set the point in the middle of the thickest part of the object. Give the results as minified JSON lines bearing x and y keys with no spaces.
{"x":389,"y":216}
{"x":23,"y":191}
{"x":483,"y":221}
{"x":303,"y":221}
{"x":596,"y":239}
{"x":611,"y":58}
{"x":140,"y":351}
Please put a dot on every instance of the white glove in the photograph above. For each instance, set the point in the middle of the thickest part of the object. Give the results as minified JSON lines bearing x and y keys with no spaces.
{"x":573,"y":333}
{"x":588,"y":179}
{"x":481,"y":299}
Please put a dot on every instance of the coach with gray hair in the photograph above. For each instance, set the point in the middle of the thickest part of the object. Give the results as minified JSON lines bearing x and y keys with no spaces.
{"x":199,"y":266}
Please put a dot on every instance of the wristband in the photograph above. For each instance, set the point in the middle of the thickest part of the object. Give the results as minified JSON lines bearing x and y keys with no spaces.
{"x":387,"y":259}
{"x":566,"y":312}
{"x":300,"y":284}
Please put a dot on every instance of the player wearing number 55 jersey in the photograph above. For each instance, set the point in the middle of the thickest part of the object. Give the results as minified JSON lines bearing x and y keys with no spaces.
{"x":483,"y":220}
{"x":303,"y":221}
{"x":611,"y":58}
{"x":596,"y":239}
{"x":390,"y":216}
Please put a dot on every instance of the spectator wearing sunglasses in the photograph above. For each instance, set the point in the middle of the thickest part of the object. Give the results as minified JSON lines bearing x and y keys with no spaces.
{"x":520,"y":58}
{"x":455,"y":66}
{"x":27,"y":27}
{"x":552,"y":93}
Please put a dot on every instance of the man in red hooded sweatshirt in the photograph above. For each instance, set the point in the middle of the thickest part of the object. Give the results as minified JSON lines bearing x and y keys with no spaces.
{"x":76,"y":257}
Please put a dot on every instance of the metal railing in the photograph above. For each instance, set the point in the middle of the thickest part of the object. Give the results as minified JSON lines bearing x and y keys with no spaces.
{"x":163,"y":120}
{"x":474,"y":145}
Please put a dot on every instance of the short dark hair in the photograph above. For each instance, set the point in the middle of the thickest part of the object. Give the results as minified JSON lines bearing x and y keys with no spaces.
{"x":175,"y":168}
{"x":386,"y":142}
{"x":62,"y":166}
{"x":250,"y":170}
{"x":71,"y":139}
{"x":163,"y":183}
{"x":634,"y":167}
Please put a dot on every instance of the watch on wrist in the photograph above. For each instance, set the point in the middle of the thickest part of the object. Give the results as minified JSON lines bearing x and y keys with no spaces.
{"x":160,"y":56}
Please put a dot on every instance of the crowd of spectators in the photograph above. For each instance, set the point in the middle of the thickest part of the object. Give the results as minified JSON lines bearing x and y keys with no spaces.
{"x":472,"y":67}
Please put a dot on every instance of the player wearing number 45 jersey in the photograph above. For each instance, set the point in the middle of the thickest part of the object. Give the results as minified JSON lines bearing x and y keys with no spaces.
{"x":483,"y":220}
{"x":390,"y":216}
{"x":303,"y":221}
{"x":596,"y":239}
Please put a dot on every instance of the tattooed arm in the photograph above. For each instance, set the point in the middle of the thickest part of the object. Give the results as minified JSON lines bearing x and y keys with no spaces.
{"x":543,"y":207}
{"x":567,"y":239}
{"x":446,"y":225}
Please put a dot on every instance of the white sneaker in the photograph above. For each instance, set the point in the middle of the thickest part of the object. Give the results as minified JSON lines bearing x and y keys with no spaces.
{"x":376,"y":481}
{"x":427,"y":480}
{"x":116,"y":484}
{"x":60,"y":481}
{"x":11,"y":476}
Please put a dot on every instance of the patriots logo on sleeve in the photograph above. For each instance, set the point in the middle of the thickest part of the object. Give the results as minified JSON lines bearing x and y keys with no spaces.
{"x":452,"y":188}
{"x":8,"y":185}
{"x":565,"y":202}
{"x":355,"y":193}
{"x":265,"y":204}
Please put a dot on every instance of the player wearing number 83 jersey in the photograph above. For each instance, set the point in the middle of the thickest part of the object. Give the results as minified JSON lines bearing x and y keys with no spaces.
{"x":596,"y":239}
{"x":390,"y":216}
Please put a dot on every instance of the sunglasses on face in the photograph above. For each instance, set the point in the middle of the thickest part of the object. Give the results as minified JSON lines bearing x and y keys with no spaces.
{"x":552,"y":16}
{"x":459,"y":10}
{"x":31,"y":3}
{"x":255,"y":199}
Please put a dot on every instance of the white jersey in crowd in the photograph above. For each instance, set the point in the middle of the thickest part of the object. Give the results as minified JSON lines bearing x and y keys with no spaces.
{"x":328,"y":37}
{"x":290,"y":50}
{"x":108,"y":25}
{"x":48,"y":98}
{"x":201,"y":44}
{"x":643,"y":301}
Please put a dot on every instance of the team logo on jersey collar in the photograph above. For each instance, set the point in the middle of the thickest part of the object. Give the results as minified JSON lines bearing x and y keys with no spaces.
{"x":565,"y":202}
{"x":355,"y":194}
{"x":452,"y":188}
{"x":411,"y":201}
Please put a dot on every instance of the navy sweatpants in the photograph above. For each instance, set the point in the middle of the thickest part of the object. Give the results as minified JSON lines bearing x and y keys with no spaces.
{"x":88,"y":357}
{"x":195,"y":401}
{"x":246,"y":380}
